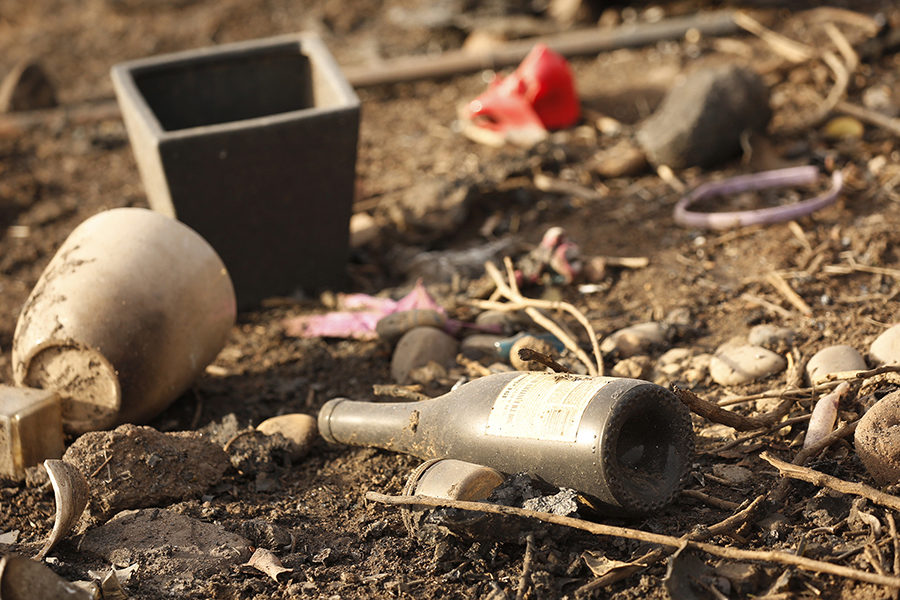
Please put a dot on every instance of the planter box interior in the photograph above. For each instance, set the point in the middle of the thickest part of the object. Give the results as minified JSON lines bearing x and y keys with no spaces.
{"x":253,"y":145}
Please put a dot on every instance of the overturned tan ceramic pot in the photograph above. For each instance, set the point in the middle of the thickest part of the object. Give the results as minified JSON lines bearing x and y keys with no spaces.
{"x":128,"y":313}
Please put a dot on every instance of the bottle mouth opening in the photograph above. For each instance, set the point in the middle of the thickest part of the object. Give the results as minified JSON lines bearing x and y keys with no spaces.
{"x":652,"y":452}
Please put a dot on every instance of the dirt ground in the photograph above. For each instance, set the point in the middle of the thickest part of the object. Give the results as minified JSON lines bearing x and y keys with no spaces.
{"x":56,"y":171}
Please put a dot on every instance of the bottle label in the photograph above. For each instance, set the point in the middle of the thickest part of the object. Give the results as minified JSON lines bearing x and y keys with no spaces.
{"x":543,"y":406}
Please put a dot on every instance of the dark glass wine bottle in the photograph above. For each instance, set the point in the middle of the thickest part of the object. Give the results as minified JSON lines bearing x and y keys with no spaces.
{"x":625,"y":442}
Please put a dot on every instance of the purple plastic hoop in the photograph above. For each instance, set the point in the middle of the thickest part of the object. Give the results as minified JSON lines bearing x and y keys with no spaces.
{"x":756,"y":181}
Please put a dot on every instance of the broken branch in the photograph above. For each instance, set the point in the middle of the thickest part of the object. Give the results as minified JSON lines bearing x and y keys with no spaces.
{"x":773,"y":556}
{"x":824,"y":480}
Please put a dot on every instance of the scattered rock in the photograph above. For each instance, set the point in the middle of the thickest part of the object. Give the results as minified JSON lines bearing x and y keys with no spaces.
{"x":506,"y":320}
{"x":564,"y":503}
{"x":833,"y":359}
{"x":843,"y":128}
{"x":420,"y":346}
{"x":827,"y":508}
{"x":885,"y":350}
{"x":635,"y":367}
{"x":139,"y":467}
{"x":300,"y":430}
{"x":773,"y":337}
{"x":173,"y":550}
{"x":877,"y":440}
{"x":734,"y":365}
{"x":702,"y":118}
{"x":363,"y":230}
{"x":437,"y":206}
{"x":733,"y":474}
{"x":428,"y":373}
{"x":267,"y":535}
{"x":745,"y":578}
{"x":636,"y":339}
{"x":622,"y":160}
{"x":680,"y":364}
{"x":480,"y":345}
{"x":392,"y":327}
{"x":532,"y":343}
{"x":252,"y":452}
{"x":26,"y":87}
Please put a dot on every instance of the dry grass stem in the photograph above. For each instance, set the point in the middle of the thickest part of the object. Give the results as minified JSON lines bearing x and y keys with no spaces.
{"x":784,"y":288}
{"x":770,"y":306}
{"x":516,"y":301}
{"x":787,"y":48}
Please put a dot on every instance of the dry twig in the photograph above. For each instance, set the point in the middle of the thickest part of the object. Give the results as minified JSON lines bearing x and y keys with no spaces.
{"x":715,"y":413}
{"x":784,"y":288}
{"x":525,"y":578}
{"x":516,"y":301}
{"x":772,"y":556}
{"x":731,"y":524}
{"x":834,"y":483}
{"x":528,"y":354}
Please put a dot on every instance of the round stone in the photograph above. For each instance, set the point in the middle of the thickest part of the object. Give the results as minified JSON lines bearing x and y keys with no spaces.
{"x":833,"y":359}
{"x":735,"y":365}
{"x":877,"y":439}
{"x":885,"y":350}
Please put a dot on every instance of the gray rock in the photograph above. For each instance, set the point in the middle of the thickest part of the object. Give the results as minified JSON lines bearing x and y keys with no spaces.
{"x":734,"y":365}
{"x":772,"y":337}
{"x":833,"y":359}
{"x":299,"y":429}
{"x":634,"y":367}
{"x":885,"y":350}
{"x":507,"y":321}
{"x":877,"y":440}
{"x":175,"y":551}
{"x":702,"y":118}
{"x":733,"y":474}
{"x":635,"y":339}
{"x":145,"y":467}
{"x":420,"y":346}
{"x":480,"y":345}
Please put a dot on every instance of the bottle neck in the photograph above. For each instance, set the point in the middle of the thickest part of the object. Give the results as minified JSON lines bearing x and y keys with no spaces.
{"x":388,"y":425}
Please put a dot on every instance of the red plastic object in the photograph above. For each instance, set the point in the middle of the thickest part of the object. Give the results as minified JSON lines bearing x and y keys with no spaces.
{"x":540,"y":92}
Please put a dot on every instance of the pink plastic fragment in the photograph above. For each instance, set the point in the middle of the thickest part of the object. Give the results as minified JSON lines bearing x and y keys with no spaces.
{"x":539,"y":94}
{"x":360,"y":323}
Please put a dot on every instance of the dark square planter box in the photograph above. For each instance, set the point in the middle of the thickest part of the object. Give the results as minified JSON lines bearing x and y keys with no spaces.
{"x":253,"y":145}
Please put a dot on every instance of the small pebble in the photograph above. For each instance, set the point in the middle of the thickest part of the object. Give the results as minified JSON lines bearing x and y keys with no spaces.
{"x":536,"y":344}
{"x":420,"y":346}
{"x":843,"y":128}
{"x":734,"y":474}
{"x":499,"y":318}
{"x":877,"y":440}
{"x":301,"y":430}
{"x":833,"y":359}
{"x":734,"y":365}
{"x":392,"y":327}
{"x":480,"y":345}
{"x":634,"y":367}
{"x":622,"y":160}
{"x":773,"y":337}
{"x":885,"y":350}
{"x":636,"y":339}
